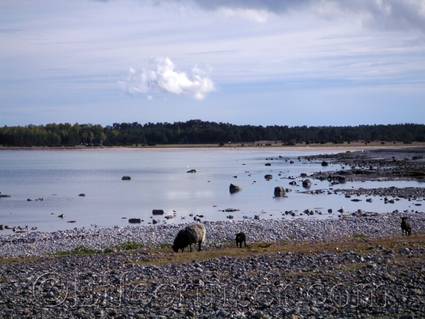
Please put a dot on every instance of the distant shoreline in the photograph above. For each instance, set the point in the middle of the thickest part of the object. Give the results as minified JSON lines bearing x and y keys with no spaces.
{"x":297,"y":147}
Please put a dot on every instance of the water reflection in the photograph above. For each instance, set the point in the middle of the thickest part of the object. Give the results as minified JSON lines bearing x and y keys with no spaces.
{"x":159,"y":181}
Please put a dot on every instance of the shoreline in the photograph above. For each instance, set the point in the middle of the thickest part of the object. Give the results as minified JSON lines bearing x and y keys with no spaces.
{"x":219,"y":233}
{"x":247,"y":146}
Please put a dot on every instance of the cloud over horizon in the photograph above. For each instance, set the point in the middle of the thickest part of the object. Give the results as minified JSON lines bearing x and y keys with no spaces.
{"x":162,"y":76}
{"x":390,"y":14}
{"x":289,"y":62}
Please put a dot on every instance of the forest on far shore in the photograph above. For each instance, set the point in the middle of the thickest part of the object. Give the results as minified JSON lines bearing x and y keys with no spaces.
{"x":202,"y":132}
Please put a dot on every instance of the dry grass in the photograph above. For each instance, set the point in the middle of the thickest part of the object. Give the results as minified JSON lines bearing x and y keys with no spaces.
{"x":164,"y":255}
{"x":359,"y":245}
{"x":19,"y":260}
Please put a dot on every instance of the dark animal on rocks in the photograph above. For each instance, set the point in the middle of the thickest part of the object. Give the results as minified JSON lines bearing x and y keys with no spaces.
{"x":240,"y":239}
{"x":406,"y":229}
{"x":193,"y":234}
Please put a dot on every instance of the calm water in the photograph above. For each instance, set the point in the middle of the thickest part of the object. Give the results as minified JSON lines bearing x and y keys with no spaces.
{"x":159,"y":181}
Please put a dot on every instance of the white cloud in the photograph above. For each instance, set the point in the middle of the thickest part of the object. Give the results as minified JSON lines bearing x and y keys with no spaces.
{"x":162,"y":76}
{"x":256,"y":15}
{"x":393,"y":14}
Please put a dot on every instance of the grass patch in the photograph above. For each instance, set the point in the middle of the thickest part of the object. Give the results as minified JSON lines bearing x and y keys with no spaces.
{"x":78,"y":251}
{"x":360,"y":237}
{"x":20,"y":260}
{"x":130,"y":245}
{"x":166,"y":256}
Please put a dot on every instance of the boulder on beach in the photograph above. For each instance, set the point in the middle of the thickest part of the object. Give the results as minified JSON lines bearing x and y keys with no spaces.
{"x":324,"y":163}
{"x":234,"y":188}
{"x":191,"y":171}
{"x":268,"y":177}
{"x":126,"y":178}
{"x":268,"y":164}
{"x":157,"y":212}
{"x":279,"y":191}
{"x":134,"y":220}
{"x":307,"y":183}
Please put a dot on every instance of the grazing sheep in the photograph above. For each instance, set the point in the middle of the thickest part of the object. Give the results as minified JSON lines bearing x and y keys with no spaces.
{"x":240,"y":238}
{"x":190,"y":235}
{"x":406,"y":229}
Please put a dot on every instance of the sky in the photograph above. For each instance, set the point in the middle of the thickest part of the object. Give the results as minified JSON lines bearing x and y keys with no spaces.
{"x":264,"y":62}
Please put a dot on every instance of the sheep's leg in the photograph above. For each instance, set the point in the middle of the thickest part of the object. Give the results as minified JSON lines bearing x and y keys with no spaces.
{"x":244,"y":243}
{"x":199,"y":245}
{"x":190,"y":246}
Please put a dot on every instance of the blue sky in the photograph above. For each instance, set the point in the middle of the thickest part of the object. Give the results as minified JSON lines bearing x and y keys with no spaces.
{"x":301,"y":62}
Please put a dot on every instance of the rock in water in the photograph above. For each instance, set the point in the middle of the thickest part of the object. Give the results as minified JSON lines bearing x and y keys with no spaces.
{"x":234,"y":188}
{"x":307,"y":183}
{"x":134,"y":220}
{"x":157,"y":212}
{"x":279,"y":191}
{"x":126,"y":178}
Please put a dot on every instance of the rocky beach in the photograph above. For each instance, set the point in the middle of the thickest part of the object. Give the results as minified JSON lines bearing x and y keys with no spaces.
{"x":345,"y":264}
{"x":356,"y":266}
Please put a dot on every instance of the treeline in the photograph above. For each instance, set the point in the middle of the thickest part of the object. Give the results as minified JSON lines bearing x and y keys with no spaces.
{"x":200,"y":132}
